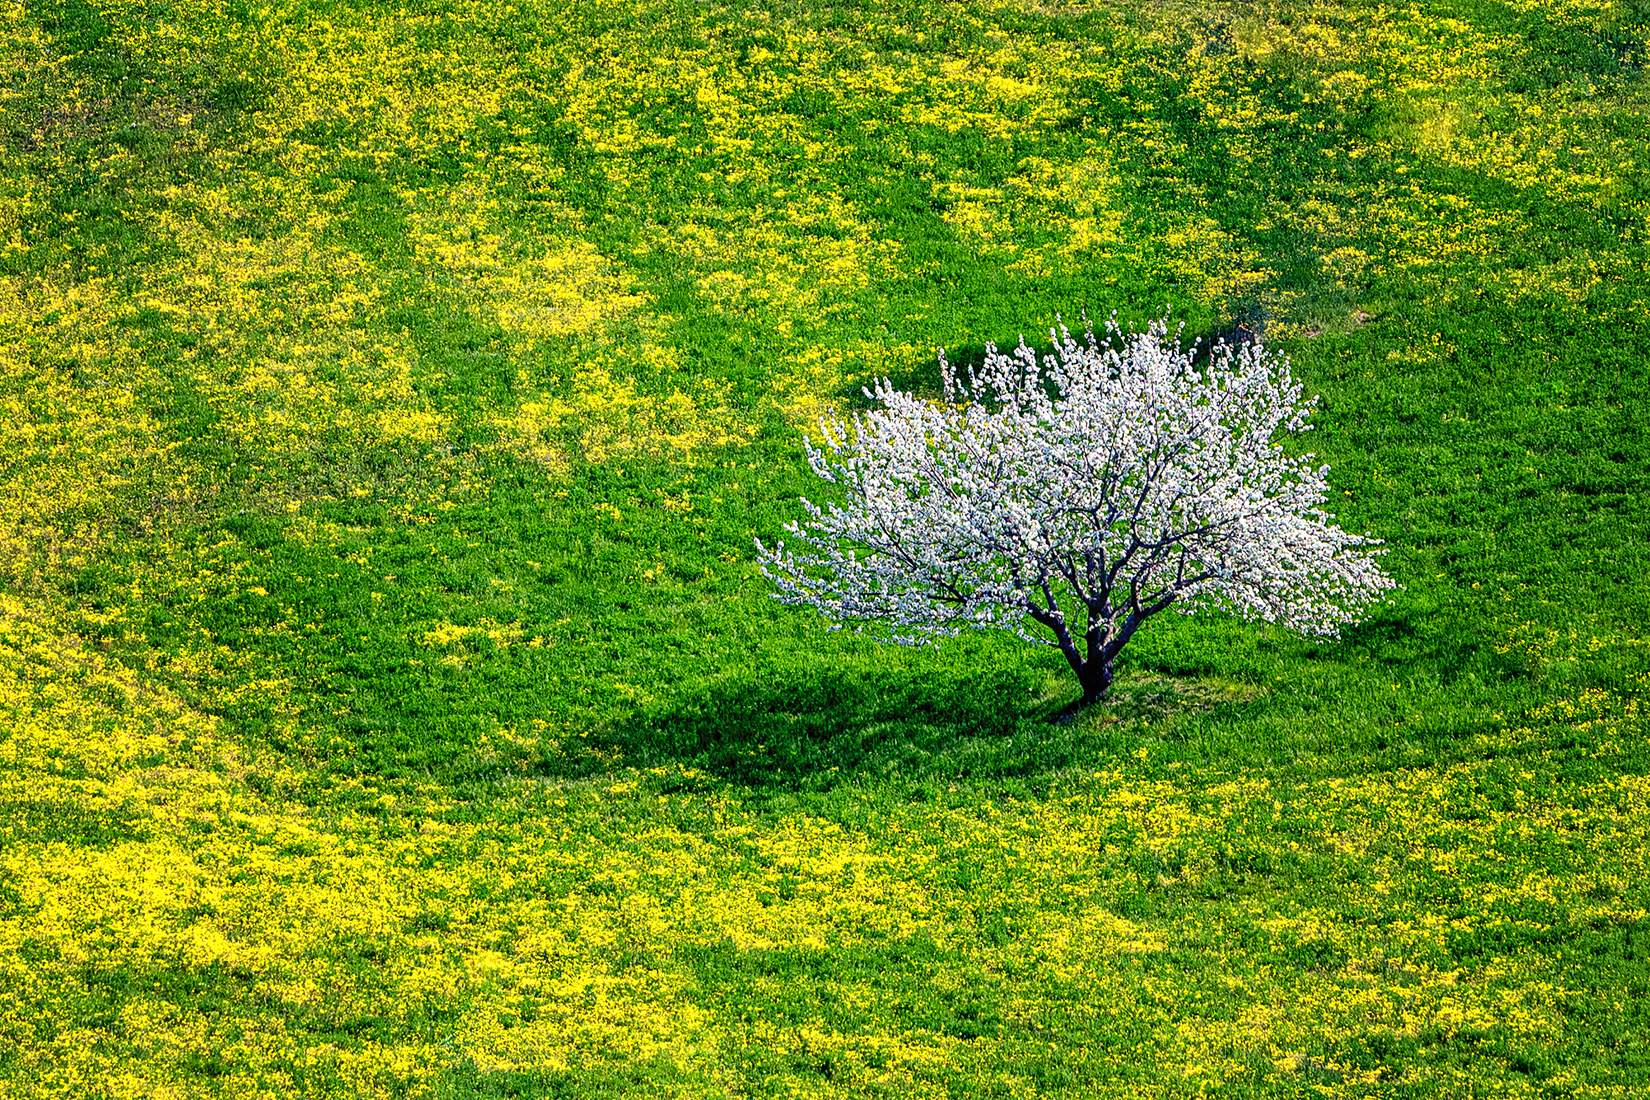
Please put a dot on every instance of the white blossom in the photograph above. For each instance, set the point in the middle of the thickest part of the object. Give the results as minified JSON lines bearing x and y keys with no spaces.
{"x":1070,"y":497}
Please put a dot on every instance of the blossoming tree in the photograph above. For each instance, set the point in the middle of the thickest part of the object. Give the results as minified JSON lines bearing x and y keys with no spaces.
{"x":1069,"y":498}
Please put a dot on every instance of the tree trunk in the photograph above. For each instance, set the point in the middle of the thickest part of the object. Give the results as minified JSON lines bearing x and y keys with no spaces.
{"x":1095,"y":675}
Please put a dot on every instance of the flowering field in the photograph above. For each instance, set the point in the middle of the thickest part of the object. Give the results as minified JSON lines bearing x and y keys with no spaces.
{"x":390,"y":702}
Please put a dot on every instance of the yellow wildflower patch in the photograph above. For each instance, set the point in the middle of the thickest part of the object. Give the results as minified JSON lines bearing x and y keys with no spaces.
{"x":610,"y":419}
{"x":547,"y":288}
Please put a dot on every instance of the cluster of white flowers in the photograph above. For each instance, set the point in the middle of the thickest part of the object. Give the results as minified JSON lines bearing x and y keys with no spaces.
{"x":1082,"y":493}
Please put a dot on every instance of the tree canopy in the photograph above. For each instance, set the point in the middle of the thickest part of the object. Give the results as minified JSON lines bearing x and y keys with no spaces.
{"x":1070,"y":497}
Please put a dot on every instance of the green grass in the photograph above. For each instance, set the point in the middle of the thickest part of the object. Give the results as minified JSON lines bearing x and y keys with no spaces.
{"x":364,"y":738}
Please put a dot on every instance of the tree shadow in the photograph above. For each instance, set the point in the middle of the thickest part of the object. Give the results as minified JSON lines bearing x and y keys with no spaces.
{"x":1415,"y":634}
{"x":923,"y":378}
{"x":1247,"y":325}
{"x":814,"y":730}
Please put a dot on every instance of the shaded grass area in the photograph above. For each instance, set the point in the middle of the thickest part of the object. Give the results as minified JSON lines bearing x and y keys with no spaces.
{"x":393,"y":706}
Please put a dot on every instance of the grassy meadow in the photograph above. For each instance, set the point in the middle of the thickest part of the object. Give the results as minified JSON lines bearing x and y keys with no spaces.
{"x":390,"y":704}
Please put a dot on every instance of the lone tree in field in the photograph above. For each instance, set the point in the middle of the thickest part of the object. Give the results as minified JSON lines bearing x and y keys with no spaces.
{"x":1084,"y":492}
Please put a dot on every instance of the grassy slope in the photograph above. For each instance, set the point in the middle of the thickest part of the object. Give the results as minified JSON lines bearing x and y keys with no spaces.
{"x":392,"y":705}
